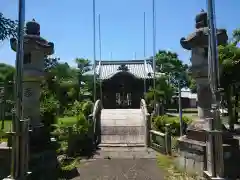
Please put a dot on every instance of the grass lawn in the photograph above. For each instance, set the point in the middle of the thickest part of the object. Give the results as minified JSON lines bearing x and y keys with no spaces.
{"x":7,"y":128}
{"x":172,"y":172}
{"x":7,"y":125}
{"x":67,"y":121}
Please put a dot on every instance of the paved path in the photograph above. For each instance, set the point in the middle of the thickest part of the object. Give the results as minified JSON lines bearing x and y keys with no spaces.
{"x":122,"y":164}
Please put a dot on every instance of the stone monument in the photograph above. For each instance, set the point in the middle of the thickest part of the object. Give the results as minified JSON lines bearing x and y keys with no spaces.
{"x":192,"y":146}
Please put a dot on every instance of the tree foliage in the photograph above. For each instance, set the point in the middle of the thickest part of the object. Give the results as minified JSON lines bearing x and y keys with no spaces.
{"x":7,"y":27}
{"x":229,"y":59}
{"x":168,"y":62}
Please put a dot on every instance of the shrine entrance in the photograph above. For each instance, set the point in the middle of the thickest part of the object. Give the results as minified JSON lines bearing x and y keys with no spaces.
{"x":123,"y":90}
{"x":123,"y":100}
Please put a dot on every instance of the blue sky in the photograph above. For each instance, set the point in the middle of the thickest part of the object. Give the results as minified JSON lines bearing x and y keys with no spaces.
{"x":68,"y":23}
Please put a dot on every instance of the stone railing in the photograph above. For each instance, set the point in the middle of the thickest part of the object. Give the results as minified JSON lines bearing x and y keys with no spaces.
{"x":95,"y":118}
{"x":161,"y":141}
{"x":147,"y":120}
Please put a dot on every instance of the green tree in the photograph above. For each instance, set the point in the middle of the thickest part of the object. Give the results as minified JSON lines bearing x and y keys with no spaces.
{"x":6,"y":72}
{"x":168,"y":62}
{"x":7,"y":27}
{"x":229,"y":57}
{"x":83,"y":66}
{"x":236,"y":36}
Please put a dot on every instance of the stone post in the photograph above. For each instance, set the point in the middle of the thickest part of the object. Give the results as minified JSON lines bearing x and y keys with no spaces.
{"x":148,"y":129}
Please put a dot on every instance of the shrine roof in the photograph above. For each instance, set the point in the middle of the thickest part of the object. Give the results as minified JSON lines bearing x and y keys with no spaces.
{"x":139,"y":68}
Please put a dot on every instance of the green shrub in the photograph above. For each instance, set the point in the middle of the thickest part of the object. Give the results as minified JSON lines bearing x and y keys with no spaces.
{"x":49,"y":108}
{"x":76,"y":108}
{"x":77,"y":136}
{"x":87,"y":108}
{"x":160,"y":122}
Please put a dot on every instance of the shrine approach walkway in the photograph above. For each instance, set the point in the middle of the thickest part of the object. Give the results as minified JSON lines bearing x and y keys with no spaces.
{"x":122,"y":153}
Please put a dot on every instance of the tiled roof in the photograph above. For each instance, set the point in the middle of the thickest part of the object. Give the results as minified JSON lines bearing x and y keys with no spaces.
{"x":107,"y":69}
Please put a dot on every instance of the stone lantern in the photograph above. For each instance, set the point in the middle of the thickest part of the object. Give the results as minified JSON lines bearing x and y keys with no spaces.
{"x":35,"y":49}
{"x":192,"y":146}
{"x":197,"y":43}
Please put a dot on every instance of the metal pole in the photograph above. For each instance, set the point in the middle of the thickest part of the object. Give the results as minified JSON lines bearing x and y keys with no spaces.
{"x":94,"y":50}
{"x":154,"y":49}
{"x":111,"y":56}
{"x":180,"y":107}
{"x":15,"y":171}
{"x":214,"y":81}
{"x":144,"y":50}
{"x":100,"y":52}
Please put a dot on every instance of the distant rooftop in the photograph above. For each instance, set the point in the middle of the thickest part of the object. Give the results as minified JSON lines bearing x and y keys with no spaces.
{"x":139,"y":68}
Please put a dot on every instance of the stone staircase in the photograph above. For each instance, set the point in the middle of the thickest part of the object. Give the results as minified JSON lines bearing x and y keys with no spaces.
{"x":122,"y":128}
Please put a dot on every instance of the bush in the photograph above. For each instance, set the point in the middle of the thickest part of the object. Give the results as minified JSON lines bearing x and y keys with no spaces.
{"x":160,"y":122}
{"x":87,"y":108}
{"x":77,"y":136}
{"x":49,"y":108}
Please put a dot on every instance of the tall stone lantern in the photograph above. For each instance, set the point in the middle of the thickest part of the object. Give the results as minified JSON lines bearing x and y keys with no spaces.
{"x":35,"y":49}
{"x":197,"y":43}
{"x":192,"y":146}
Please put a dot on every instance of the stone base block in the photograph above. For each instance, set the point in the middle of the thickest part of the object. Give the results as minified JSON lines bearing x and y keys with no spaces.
{"x":39,"y":139}
{"x":44,"y":165}
{"x":5,"y":160}
{"x":192,"y":156}
{"x":197,"y":131}
{"x":209,"y":177}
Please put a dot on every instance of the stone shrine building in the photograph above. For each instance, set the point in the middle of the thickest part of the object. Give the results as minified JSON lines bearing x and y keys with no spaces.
{"x":123,"y":82}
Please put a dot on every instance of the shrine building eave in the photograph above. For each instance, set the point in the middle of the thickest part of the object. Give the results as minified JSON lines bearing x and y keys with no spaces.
{"x":140,"y":69}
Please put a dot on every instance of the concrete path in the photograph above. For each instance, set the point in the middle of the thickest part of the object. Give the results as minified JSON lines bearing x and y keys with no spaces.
{"x":122,"y":164}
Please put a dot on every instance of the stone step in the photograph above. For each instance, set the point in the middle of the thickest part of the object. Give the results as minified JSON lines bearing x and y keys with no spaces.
{"x":122,"y":139}
{"x":121,"y":145}
{"x":114,"y":122}
{"x":122,"y":130}
{"x":125,"y":153}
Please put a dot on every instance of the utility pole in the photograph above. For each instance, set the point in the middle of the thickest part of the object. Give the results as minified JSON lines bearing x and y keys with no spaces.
{"x":216,"y":133}
{"x":111,"y":56}
{"x":100,"y":52}
{"x":154,"y":49}
{"x":94,"y":50}
{"x":180,"y":107}
{"x":144,"y":50}
{"x":18,"y":172}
